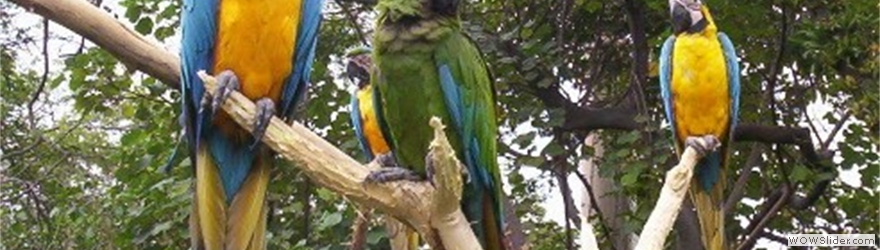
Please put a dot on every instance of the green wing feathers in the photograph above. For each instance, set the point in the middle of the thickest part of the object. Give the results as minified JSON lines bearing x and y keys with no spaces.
{"x":469,"y":95}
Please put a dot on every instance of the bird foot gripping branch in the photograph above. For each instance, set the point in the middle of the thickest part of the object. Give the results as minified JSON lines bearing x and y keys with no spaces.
{"x":703,"y":144}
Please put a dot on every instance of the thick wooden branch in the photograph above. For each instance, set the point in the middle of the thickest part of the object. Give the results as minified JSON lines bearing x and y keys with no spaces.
{"x":418,"y":204}
{"x":96,"y":25}
{"x":672,"y":195}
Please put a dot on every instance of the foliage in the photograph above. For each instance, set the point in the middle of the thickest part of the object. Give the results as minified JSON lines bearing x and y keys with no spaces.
{"x":85,"y":141}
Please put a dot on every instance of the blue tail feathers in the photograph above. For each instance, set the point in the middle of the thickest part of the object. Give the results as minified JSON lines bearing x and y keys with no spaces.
{"x":233,"y":160}
{"x":709,"y":170}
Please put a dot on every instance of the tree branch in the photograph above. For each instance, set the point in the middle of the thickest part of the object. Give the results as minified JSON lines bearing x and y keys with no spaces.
{"x":359,"y":228}
{"x":96,"y":25}
{"x":776,"y":201}
{"x":754,"y":160}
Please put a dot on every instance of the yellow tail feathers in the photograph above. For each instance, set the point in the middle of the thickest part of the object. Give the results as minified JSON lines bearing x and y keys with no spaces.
{"x":401,"y":236}
{"x":247,"y":210}
{"x":710,"y":215}
{"x":413,"y":239}
{"x":210,"y":202}
{"x":241,"y":225}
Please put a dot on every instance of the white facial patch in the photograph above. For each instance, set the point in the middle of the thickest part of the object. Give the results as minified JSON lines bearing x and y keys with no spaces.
{"x":694,"y":7}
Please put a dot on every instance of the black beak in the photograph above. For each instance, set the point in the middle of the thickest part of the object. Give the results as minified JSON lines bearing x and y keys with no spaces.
{"x":445,"y":7}
{"x":357,"y":74}
{"x":681,"y":19}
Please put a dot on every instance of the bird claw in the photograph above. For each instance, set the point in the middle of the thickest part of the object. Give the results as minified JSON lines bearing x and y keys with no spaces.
{"x":386,"y":160}
{"x":227,"y":82}
{"x":712,"y":144}
{"x":385,"y":175}
{"x":265,"y":112}
{"x":430,"y":169}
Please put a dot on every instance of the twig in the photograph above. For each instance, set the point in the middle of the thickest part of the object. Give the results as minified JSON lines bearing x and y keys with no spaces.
{"x":568,"y":205}
{"x":764,"y":219}
{"x":359,"y":228}
{"x":45,"y":75}
{"x":594,"y":204}
{"x":354,"y":21}
{"x":836,"y":129}
{"x":102,"y":29}
{"x":738,"y":189}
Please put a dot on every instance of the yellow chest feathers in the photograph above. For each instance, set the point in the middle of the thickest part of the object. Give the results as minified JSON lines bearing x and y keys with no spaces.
{"x":256,"y":40}
{"x":699,"y":86}
{"x":372,"y":131}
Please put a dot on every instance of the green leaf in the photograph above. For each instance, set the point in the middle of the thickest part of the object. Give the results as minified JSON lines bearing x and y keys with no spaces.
{"x":144,"y":26}
{"x":630,"y":178}
{"x":330,"y":220}
{"x":800,"y":173}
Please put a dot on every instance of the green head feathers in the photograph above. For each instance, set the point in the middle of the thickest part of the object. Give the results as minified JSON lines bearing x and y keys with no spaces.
{"x":356,"y":51}
{"x":398,"y":9}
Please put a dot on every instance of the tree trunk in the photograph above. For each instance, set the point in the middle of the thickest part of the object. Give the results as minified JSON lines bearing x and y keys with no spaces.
{"x":613,"y":206}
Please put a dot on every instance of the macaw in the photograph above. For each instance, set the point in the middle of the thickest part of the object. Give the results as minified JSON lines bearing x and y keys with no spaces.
{"x":264,"y":49}
{"x":699,"y":81}
{"x":363,"y":116}
{"x":426,"y":66}
{"x":366,"y":126}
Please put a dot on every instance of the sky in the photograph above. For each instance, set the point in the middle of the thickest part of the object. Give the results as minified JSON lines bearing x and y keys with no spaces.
{"x":65,"y":42}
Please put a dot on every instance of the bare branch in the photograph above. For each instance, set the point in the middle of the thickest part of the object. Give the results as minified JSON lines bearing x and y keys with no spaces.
{"x":359,"y":228}
{"x":739,"y":188}
{"x":44,"y":77}
{"x":105,"y":31}
{"x":836,"y":129}
{"x":354,"y":22}
{"x":777,"y":199}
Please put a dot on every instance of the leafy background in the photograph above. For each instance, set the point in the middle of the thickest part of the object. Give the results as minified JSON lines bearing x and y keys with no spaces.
{"x":85,"y":140}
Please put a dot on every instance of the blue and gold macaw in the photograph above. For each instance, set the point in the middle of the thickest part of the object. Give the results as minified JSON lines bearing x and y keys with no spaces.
{"x":264,"y":49}
{"x":364,"y":119}
{"x":426,"y":66}
{"x":365,"y":122}
{"x":699,"y":81}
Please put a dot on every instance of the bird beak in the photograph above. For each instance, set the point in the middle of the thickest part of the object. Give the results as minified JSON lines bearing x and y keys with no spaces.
{"x":685,"y":13}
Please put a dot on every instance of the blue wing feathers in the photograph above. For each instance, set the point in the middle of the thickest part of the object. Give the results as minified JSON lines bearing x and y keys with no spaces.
{"x":358,"y":127}
{"x":197,"y":48}
{"x":452,"y":96}
{"x":666,"y":79}
{"x":461,"y":115}
{"x":304,"y":52}
{"x":733,"y":75}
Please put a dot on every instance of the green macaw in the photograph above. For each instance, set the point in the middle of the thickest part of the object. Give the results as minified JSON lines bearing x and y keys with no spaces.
{"x":427,"y":67}
{"x":699,"y":79}
{"x":369,"y":134}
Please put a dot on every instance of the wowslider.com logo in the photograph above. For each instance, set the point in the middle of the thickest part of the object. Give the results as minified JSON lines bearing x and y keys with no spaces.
{"x":831,"y":240}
